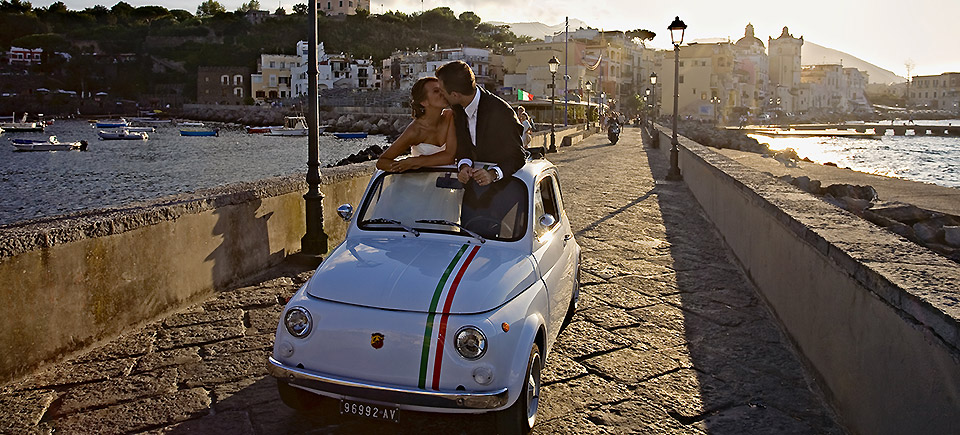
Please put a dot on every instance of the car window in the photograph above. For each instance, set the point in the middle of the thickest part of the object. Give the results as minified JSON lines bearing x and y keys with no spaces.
{"x":496,"y":212}
{"x":545,"y":202}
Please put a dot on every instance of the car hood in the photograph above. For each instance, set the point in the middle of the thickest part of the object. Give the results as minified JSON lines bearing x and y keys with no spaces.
{"x":420,"y":274}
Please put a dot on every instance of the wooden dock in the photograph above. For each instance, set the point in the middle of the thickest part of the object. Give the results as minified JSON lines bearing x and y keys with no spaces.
{"x":874,"y":129}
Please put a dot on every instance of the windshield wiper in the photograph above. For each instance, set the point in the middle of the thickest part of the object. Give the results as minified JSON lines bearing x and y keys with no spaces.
{"x":453,"y":224}
{"x":393,"y":222}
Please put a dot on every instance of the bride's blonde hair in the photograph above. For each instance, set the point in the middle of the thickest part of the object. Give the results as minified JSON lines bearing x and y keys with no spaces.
{"x":418,"y":94}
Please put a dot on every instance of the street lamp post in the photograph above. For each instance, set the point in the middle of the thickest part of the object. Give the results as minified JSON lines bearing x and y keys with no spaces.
{"x":648,"y":109}
{"x":314,"y":241}
{"x":676,"y":27}
{"x":653,"y":105}
{"x":553,"y":64}
{"x":588,"y":86}
{"x":716,"y":114}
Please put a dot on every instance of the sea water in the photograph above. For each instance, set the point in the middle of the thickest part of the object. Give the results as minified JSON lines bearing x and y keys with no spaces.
{"x":930,"y":159}
{"x":116,"y":172}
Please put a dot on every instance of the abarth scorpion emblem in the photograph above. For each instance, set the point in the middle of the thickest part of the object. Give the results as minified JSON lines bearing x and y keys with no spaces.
{"x":376,"y":340}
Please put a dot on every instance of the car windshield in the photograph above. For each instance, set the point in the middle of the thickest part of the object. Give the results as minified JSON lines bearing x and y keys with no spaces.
{"x":434,"y":201}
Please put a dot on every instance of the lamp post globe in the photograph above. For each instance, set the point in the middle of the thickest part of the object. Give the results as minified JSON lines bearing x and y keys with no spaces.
{"x":677,"y":29}
{"x":553,"y":64}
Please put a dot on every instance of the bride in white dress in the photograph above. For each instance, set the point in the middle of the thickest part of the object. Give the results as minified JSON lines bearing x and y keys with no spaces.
{"x":430,"y":139}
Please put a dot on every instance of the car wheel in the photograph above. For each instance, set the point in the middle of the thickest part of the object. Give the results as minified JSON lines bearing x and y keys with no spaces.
{"x":520,"y":418}
{"x":296,"y":398}
{"x":575,"y":297}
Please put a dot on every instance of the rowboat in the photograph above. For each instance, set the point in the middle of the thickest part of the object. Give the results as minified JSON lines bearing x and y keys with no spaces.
{"x":122,"y":135}
{"x":257,"y":130}
{"x":292,"y":126}
{"x":200,"y":132}
{"x":50,"y":144}
{"x":112,"y":123}
{"x":358,"y":135}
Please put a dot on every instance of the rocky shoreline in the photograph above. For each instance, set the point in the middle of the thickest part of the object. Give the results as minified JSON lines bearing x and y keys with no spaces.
{"x":390,"y":125}
{"x":935,"y":230}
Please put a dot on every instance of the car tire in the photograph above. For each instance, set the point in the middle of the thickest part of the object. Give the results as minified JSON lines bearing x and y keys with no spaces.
{"x":299,"y":400}
{"x":522,"y":415}
{"x":574,"y":299}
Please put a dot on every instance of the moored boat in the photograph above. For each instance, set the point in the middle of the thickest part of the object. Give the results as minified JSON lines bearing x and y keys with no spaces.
{"x":112,"y":123}
{"x":50,"y":144}
{"x":357,"y":135}
{"x":22,"y":126}
{"x":200,"y":132}
{"x":142,"y":129}
{"x":292,"y":126}
{"x":122,"y":135}
{"x":257,"y":130}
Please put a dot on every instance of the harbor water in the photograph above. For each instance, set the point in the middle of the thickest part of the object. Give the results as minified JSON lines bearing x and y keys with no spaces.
{"x":930,"y":159}
{"x":117,"y":172}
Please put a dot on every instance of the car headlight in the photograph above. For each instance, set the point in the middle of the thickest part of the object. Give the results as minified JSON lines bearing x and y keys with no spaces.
{"x":470,"y":342}
{"x":298,"y":322}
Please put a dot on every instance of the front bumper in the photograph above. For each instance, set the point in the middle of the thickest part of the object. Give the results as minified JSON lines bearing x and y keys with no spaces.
{"x":387,"y":394}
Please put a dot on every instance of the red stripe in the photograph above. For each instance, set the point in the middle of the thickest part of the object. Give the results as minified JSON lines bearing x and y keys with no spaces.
{"x":446,"y":313}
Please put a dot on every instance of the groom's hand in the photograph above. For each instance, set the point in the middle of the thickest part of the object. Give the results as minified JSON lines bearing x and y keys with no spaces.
{"x":465,"y":174}
{"x":483,"y":176}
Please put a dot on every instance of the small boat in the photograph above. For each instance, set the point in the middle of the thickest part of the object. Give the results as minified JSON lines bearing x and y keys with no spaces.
{"x":151,"y":120}
{"x":23,"y":125}
{"x":142,"y":129}
{"x":112,"y":123}
{"x":50,"y":144}
{"x":200,"y":132}
{"x":122,"y":135}
{"x":292,"y":126}
{"x":190,"y":124}
{"x":257,"y":130}
{"x":359,"y":135}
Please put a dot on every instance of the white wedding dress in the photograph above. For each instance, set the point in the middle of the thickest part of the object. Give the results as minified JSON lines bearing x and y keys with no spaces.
{"x":426,"y":149}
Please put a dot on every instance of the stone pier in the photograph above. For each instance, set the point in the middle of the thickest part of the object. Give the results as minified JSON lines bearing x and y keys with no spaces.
{"x":670,"y":338}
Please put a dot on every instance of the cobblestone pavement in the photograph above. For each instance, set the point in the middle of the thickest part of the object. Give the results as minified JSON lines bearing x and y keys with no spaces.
{"x":669,"y":339}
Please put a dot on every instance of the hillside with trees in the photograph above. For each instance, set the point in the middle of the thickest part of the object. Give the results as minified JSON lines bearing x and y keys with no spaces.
{"x":129,"y":52}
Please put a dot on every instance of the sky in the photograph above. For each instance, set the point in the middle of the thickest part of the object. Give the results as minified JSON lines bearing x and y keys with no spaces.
{"x":886,"y":33}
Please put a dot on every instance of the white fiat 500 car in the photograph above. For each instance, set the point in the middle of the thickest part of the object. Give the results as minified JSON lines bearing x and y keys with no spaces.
{"x":440,"y":299}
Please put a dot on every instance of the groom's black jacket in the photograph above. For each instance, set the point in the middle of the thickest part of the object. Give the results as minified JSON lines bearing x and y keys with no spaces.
{"x":498,"y":134}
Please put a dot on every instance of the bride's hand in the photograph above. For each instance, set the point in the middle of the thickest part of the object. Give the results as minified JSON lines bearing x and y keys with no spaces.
{"x":402,"y":165}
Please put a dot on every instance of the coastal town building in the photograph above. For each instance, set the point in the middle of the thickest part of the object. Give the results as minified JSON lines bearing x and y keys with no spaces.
{"x":272,"y":82}
{"x":939,"y":92}
{"x":706,"y":74}
{"x":24,"y":56}
{"x":223,"y":84}
{"x":333,"y":71}
{"x":784,"y":71}
{"x":403,"y":68}
{"x":342,"y":7}
{"x":752,"y":67}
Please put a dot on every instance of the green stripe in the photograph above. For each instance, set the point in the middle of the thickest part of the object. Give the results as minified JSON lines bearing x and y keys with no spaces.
{"x":432,"y":313}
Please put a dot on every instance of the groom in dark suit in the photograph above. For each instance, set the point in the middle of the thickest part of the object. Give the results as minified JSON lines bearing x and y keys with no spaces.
{"x":488,"y":131}
{"x":487,"y":127}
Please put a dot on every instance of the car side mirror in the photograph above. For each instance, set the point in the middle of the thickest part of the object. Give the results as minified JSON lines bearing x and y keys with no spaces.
{"x":547,"y":220}
{"x":345,"y":211}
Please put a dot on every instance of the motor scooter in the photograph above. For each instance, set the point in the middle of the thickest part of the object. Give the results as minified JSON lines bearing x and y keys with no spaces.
{"x":613,"y":133}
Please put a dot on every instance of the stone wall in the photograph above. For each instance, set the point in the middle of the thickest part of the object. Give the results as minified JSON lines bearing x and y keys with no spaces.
{"x":876,"y":317}
{"x":70,"y":281}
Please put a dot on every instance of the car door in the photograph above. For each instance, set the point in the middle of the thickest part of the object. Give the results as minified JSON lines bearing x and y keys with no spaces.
{"x":554,"y":249}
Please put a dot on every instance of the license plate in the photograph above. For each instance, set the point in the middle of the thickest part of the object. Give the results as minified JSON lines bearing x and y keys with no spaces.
{"x":366,"y":410}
